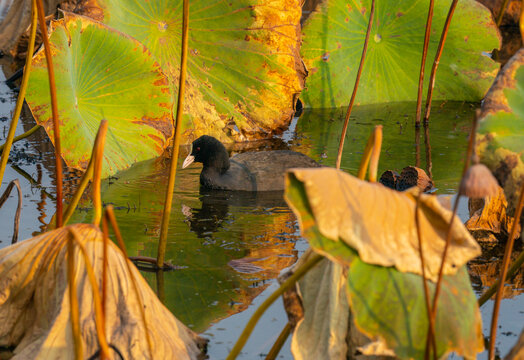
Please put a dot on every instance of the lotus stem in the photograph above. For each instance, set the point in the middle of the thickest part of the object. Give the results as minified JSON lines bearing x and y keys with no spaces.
{"x":431,"y":330}
{"x":437,"y":59}
{"x":110,"y":216}
{"x":54,"y":109}
{"x":355,"y":87}
{"x":73,"y":299}
{"x":281,"y":340}
{"x":176,"y":143}
{"x":105,"y":232}
{"x":375,"y":154}
{"x":364,"y":162}
{"x":21,"y":136}
{"x":467,"y":161}
{"x":301,"y":271}
{"x":423,"y":62}
{"x":98,"y":153}
{"x":21,"y":95}
{"x":88,"y":174}
{"x":3,"y":199}
{"x":502,"y":277}
{"x":502,"y":11}
{"x":99,"y":318}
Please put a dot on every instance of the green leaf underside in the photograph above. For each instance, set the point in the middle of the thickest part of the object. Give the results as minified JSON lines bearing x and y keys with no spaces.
{"x":334,"y":36}
{"x":102,"y":74}
{"x":508,"y":128}
{"x":241,"y":63}
{"x":390,"y":304}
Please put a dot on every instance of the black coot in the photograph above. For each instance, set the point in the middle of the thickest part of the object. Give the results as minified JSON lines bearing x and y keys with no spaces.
{"x":250,"y":171}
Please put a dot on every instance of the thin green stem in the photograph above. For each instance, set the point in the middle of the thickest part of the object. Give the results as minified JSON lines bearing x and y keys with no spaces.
{"x":505,"y":264}
{"x":21,"y":95}
{"x":176,"y":143}
{"x":301,"y":271}
{"x":423,"y":62}
{"x":54,"y":109}
{"x":355,"y":87}
{"x":281,"y":340}
{"x":21,"y":136}
{"x":98,"y":152}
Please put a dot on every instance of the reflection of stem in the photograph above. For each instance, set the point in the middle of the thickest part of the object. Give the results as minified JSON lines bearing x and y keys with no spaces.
{"x":429,"y":163}
{"x":301,"y":271}
{"x":20,"y":101}
{"x":467,"y":161}
{"x":4,"y":197}
{"x":160,"y":292}
{"x":431,"y":330}
{"x":423,"y":62}
{"x":501,"y":13}
{"x":21,"y":136}
{"x":32,"y":181}
{"x":281,"y":340}
{"x":437,"y":59}
{"x":355,"y":87}
{"x":505,"y":263}
{"x":417,"y":146}
{"x":176,"y":143}
{"x":54,"y":109}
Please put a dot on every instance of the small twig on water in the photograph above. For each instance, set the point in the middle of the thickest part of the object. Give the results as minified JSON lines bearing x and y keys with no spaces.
{"x":423,"y":62}
{"x":281,"y":340}
{"x":502,"y":277}
{"x":502,"y":11}
{"x":355,"y":87}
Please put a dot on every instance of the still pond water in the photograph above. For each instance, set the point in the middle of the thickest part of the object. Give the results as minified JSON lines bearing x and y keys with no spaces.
{"x":230,"y":247}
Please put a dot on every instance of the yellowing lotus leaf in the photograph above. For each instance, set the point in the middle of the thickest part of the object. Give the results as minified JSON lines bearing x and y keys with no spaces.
{"x":379,"y":223}
{"x":35,"y":310}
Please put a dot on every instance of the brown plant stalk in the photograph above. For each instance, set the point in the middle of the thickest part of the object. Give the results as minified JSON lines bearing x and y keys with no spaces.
{"x":467,"y":161}
{"x":423,"y":62}
{"x":437,"y":59}
{"x":176,"y":143}
{"x":355,"y":87}
{"x":54,"y":109}
{"x":431,"y":330}
{"x":502,"y":277}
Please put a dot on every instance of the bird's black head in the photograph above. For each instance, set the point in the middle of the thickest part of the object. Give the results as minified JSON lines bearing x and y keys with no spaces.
{"x":210,"y":152}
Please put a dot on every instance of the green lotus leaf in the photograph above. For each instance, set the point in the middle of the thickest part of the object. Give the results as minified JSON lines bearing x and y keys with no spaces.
{"x":502,"y":146}
{"x":334,"y":36}
{"x":101,"y":73}
{"x":387,"y":304}
{"x":244,"y":70}
{"x":391,"y":304}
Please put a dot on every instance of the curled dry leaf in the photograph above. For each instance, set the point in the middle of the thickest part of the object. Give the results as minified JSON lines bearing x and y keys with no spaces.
{"x":35,"y":310}
{"x":379,"y":223}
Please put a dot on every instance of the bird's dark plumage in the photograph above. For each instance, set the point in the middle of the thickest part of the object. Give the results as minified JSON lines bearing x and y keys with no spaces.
{"x":250,"y":171}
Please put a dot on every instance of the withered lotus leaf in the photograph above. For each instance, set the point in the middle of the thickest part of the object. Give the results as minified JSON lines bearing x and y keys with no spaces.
{"x":379,"y":223}
{"x":35,"y":309}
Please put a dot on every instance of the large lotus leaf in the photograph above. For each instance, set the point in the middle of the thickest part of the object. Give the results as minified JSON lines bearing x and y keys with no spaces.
{"x":502,"y":147}
{"x":379,"y":223}
{"x":35,"y":314}
{"x":391,"y":305}
{"x":334,"y":36}
{"x":101,"y":73}
{"x":244,"y":69}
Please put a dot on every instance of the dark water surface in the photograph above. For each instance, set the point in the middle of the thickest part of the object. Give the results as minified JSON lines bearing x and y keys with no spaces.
{"x":229,"y":247}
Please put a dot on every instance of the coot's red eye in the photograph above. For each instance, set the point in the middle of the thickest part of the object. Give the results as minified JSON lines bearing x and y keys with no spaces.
{"x":198,"y":148}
